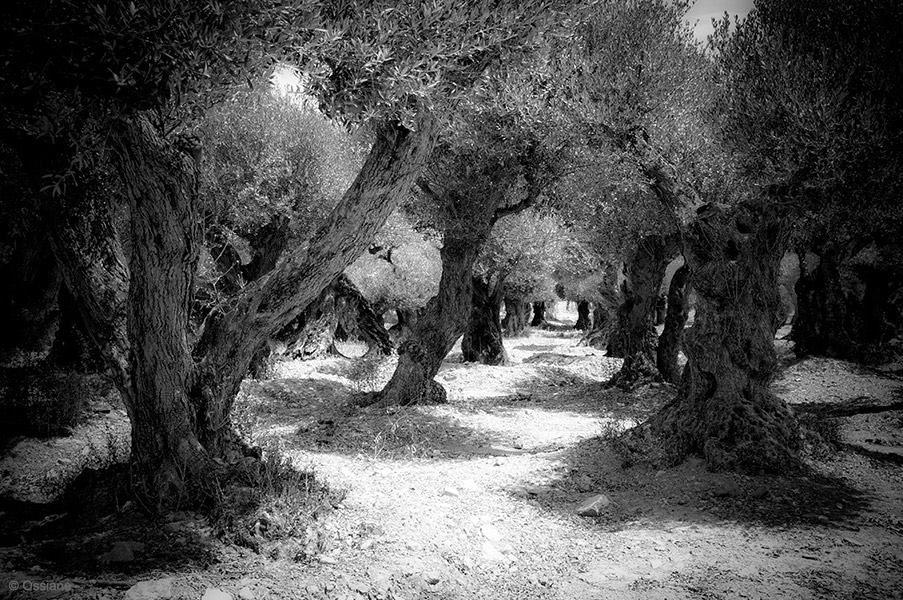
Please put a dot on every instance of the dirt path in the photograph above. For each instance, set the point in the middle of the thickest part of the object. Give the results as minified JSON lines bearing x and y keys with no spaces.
{"x":480,"y":496}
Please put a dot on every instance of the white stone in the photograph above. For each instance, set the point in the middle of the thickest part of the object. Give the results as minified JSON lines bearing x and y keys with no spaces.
{"x":155,"y":589}
{"x":594,"y":506}
{"x":215,"y":594}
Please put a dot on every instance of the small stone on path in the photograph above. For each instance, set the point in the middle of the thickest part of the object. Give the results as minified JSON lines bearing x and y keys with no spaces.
{"x":450,"y":491}
{"x":594,"y":507}
{"x":154,"y":589}
{"x":216,"y":594}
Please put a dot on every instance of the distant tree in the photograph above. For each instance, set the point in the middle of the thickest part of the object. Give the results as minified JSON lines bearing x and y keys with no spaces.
{"x":516,"y":265}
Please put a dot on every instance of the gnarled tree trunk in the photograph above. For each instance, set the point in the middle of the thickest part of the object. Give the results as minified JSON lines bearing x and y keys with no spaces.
{"x":539,"y":314}
{"x":724,"y":410}
{"x":636,"y":333}
{"x":435,"y":332}
{"x":517,"y":317}
{"x":671,"y":339}
{"x":179,"y":397}
{"x":482,"y":341}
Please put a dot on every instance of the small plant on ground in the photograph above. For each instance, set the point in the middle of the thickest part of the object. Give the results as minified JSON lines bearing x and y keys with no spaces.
{"x":272,"y":506}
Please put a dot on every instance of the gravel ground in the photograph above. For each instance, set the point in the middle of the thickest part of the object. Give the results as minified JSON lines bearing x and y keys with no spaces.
{"x":478,"y":498}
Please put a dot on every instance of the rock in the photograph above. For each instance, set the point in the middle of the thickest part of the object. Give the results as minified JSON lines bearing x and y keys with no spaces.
{"x":490,"y":532}
{"x":326,"y":559}
{"x":594,"y":507}
{"x":215,"y":594}
{"x":245,"y":593}
{"x":450,"y":491}
{"x":154,"y":589}
{"x":366,"y":544}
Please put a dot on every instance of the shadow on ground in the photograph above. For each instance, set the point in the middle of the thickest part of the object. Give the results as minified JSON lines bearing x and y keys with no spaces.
{"x":94,"y":531}
{"x":644,"y":496}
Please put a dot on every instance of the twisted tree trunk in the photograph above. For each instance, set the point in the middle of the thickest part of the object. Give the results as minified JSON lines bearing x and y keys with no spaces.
{"x":671,"y":339}
{"x":636,"y":332}
{"x":438,"y":327}
{"x":178,"y":397}
{"x":482,"y":340}
{"x":724,"y":410}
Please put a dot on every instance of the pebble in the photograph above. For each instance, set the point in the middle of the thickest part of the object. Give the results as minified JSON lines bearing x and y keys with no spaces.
{"x":246,"y":594}
{"x":594,"y":506}
{"x":450,"y":491}
{"x":154,"y":589}
{"x":216,"y":594}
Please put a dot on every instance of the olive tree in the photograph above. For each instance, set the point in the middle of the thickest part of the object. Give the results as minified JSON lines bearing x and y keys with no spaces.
{"x":119,"y":84}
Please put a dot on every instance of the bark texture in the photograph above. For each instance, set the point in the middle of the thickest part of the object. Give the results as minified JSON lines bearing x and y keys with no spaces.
{"x":482,"y":341}
{"x":435,"y":332}
{"x":724,"y":410}
{"x":671,"y":339}
{"x":178,"y":391}
{"x":636,"y":334}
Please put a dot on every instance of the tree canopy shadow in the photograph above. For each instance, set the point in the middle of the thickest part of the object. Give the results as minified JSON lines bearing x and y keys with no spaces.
{"x":642,"y":495}
{"x":78,"y":534}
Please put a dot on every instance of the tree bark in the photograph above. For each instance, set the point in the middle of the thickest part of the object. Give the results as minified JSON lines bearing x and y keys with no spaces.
{"x":724,"y":409}
{"x":636,"y":333}
{"x":539,"y":314}
{"x":583,"y":316}
{"x":179,"y":400}
{"x":407,"y":320}
{"x":671,"y":339}
{"x":168,"y":458}
{"x":236,"y":330}
{"x":517,"y":317}
{"x":435,"y":332}
{"x":482,"y":341}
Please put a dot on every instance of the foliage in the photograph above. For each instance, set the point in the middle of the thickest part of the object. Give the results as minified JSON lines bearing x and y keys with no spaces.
{"x":267,"y":158}
{"x":522,"y":254}
{"x":812,"y":101}
{"x":401,"y":269}
{"x":639,"y":89}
